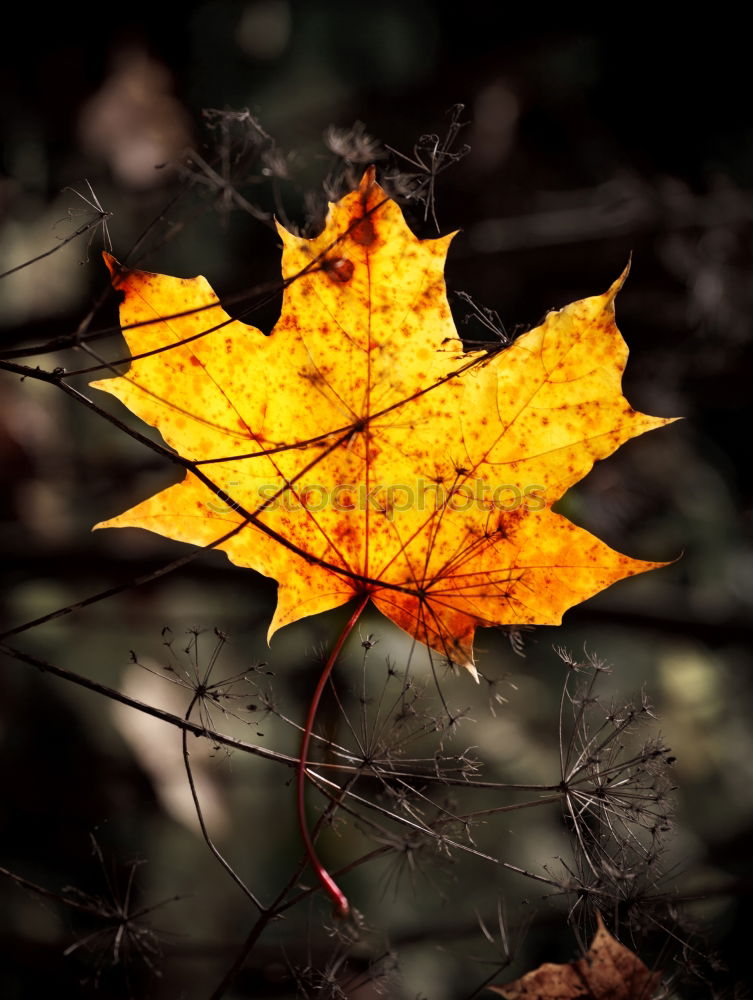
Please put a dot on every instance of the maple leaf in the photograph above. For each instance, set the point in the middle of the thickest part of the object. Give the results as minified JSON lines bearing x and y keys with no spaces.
{"x":360,"y":450}
{"x":608,"y":971}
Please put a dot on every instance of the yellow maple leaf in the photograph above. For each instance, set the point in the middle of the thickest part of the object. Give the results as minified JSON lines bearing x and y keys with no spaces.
{"x":359,"y":450}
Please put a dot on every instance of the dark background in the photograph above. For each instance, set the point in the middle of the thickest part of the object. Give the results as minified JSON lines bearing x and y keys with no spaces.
{"x":588,"y":144}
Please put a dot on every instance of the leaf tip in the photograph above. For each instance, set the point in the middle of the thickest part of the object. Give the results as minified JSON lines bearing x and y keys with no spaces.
{"x":282,"y":232}
{"x":118,"y":273}
{"x":274,"y":626}
{"x":113,"y":265}
{"x":368,"y":180}
{"x":470,"y":666}
{"x":616,"y":286}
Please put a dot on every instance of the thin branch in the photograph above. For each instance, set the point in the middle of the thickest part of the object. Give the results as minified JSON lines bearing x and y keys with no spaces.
{"x":200,"y":815}
{"x":119,"y":588}
{"x":48,"y":253}
{"x":236,"y":744}
{"x":59,"y":897}
{"x":158,"y":713}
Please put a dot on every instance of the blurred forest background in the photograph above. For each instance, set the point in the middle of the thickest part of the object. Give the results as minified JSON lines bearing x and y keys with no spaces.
{"x":588,"y":145}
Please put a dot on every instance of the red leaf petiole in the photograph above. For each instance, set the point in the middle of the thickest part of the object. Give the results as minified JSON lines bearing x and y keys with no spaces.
{"x":329,"y":885}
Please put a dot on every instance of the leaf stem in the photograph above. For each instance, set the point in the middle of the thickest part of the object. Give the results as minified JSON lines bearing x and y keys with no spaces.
{"x":328,"y":883}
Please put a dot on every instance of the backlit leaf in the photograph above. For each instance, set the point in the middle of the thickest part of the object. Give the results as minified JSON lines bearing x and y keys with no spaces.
{"x":359,"y":448}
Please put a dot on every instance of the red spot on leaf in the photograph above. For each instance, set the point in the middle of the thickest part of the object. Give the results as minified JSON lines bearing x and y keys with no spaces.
{"x":363,"y":233}
{"x":339,"y":269}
